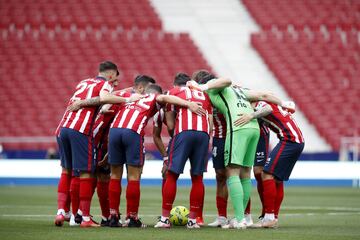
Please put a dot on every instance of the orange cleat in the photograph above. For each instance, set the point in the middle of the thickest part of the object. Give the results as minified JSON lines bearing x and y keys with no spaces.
{"x":90,"y":223}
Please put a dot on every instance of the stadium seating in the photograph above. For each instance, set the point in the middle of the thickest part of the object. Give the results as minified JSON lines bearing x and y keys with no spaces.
{"x":305,"y":13}
{"x":316,"y":57}
{"x":43,"y":56}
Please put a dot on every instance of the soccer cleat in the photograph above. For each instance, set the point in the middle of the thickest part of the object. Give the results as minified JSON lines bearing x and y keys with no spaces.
{"x":105,"y":222}
{"x":192,"y":224}
{"x":200,"y":221}
{"x":73,"y":222}
{"x":59,"y":220}
{"x":89,"y":224}
{"x":219,"y":222}
{"x":266,"y":223}
{"x":249,"y":220}
{"x":114,"y":221}
{"x":235,"y":224}
{"x":135,"y":222}
{"x":67,"y":216}
{"x":163,"y":224}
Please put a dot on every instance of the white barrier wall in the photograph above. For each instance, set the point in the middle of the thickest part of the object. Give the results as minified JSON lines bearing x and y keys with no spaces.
{"x":312,"y":170}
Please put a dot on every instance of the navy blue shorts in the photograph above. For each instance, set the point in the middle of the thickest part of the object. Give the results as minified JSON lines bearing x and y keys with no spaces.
{"x":282,"y":159}
{"x":192,"y":145}
{"x":218,"y":153}
{"x":126,"y":147}
{"x":77,"y":151}
{"x":262,"y":151}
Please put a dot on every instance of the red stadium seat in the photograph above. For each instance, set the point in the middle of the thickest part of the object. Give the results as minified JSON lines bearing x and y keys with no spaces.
{"x":53,"y":57}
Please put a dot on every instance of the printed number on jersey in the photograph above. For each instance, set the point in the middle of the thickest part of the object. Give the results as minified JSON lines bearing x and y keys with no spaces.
{"x":143,"y":103}
{"x":81,"y":88}
{"x":193,"y":93}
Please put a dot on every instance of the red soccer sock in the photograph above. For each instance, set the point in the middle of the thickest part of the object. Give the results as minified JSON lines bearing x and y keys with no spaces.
{"x":279,"y":197}
{"x":114,"y":195}
{"x":269,"y":195}
{"x":260,"y":190}
{"x":75,"y":194}
{"x":196,"y":195}
{"x":102,"y":189}
{"x":221,"y":204}
{"x":132,"y":198}
{"x":162,"y":185}
{"x":201,"y":209}
{"x":248,"y":207}
{"x":169,"y":193}
{"x":86,"y":193}
{"x":64,"y":191}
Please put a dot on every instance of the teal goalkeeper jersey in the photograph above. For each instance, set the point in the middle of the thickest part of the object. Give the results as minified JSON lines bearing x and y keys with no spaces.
{"x":232,"y":102}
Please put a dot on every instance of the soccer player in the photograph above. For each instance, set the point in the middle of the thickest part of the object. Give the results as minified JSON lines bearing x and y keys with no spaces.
{"x":74,"y":137}
{"x":282,"y":158}
{"x":126,"y":147}
{"x":261,"y":155}
{"x":158,"y":121}
{"x":219,"y":135}
{"x":241,"y":141}
{"x":190,"y":141}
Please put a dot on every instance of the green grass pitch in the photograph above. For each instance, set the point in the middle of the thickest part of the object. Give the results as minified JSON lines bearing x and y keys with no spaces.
{"x":307,"y":213}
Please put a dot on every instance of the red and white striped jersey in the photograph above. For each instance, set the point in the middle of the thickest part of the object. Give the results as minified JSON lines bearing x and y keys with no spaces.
{"x":159,"y":118}
{"x":282,"y":123}
{"x":102,"y":124}
{"x":185,"y":119}
{"x":82,"y":120}
{"x":136,"y":115}
{"x":219,"y":125}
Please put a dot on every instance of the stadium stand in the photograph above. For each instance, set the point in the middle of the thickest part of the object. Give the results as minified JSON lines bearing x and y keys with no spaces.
{"x":313,"y":48}
{"x":48,"y":46}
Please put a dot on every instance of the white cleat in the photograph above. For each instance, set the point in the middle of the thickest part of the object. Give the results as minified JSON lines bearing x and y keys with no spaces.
{"x":163,"y":223}
{"x":235,"y":224}
{"x":249,"y":220}
{"x":266,"y":223}
{"x":191,"y":224}
{"x":219,"y":222}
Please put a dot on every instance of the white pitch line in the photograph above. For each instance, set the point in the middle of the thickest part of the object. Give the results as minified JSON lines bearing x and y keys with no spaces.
{"x":207,"y":215}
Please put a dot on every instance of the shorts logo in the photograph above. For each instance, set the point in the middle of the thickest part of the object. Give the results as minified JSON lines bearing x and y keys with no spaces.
{"x":260,"y":154}
{"x":267,"y":161}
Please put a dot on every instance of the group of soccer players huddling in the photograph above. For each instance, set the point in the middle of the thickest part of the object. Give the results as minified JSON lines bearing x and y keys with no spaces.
{"x":102,"y":130}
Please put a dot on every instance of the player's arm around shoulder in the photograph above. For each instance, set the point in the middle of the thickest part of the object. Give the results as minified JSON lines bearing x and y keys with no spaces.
{"x":169,"y":99}
{"x":213,"y":86}
{"x":107,"y":97}
{"x":253,"y":95}
{"x":262,"y":109}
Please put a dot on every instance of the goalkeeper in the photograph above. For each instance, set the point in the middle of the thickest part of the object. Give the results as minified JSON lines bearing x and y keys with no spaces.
{"x":241,"y":141}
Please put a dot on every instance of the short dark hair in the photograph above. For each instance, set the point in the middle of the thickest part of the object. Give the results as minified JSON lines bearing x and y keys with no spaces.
{"x":107,"y":65}
{"x":143,"y":79}
{"x":202,"y":76}
{"x":154,"y":88}
{"x":181,"y":79}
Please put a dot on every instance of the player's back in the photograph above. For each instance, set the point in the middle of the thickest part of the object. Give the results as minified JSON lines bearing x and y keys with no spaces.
{"x":283,"y":124}
{"x":135,"y":115}
{"x":82,"y":119}
{"x":187,"y":120}
{"x":232,"y":102}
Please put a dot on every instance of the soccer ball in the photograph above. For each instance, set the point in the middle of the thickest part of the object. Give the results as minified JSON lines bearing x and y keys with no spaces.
{"x":179,"y":216}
